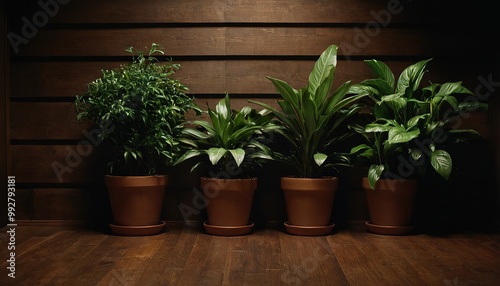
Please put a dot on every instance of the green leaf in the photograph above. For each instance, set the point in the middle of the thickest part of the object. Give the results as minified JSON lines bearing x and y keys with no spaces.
{"x":384,"y":73}
{"x":288,"y":93}
{"x":363,"y":150}
{"x":189,"y":154}
{"x":414,"y":120}
{"x":360,"y":148}
{"x":321,"y":76}
{"x":410,"y":78}
{"x":223,"y":108}
{"x":442,"y":163}
{"x":416,"y":154}
{"x":190,"y":132}
{"x":377,"y":127}
{"x":374,"y":173}
{"x":450,"y":88}
{"x":238,"y":155}
{"x":215,"y":154}
{"x":320,"y":158}
{"x":399,"y":134}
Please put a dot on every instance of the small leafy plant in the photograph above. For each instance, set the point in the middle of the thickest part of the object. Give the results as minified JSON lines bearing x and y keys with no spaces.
{"x":310,"y":120}
{"x":230,"y":142}
{"x":411,"y":126}
{"x":140,"y":109}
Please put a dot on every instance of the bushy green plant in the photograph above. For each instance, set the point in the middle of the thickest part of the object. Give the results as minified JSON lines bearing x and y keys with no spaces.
{"x":229,"y":144}
{"x":411,"y":126}
{"x":310,"y":120}
{"x":141,"y":110}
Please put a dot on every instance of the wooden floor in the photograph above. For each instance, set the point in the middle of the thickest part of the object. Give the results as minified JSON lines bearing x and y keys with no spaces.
{"x":188,"y":256}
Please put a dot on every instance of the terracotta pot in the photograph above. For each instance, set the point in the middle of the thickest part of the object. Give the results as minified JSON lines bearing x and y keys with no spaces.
{"x":391,"y":203}
{"x":309,"y":201}
{"x":228,"y":201}
{"x":136,"y":200}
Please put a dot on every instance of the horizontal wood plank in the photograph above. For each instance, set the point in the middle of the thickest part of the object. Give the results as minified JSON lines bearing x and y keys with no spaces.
{"x":57,"y":120}
{"x":253,"y":41}
{"x":320,"y":11}
{"x":47,"y":120}
{"x":68,"y":79}
{"x":246,"y":76}
{"x":225,"y":11}
{"x":52,"y":204}
{"x":82,"y":163}
{"x":113,"y":42}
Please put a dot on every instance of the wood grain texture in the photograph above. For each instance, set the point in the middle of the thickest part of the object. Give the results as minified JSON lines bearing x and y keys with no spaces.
{"x":240,"y":41}
{"x":230,"y":11}
{"x":82,"y":163}
{"x":47,"y":120}
{"x":215,"y":77}
{"x":53,"y":204}
{"x":57,"y":120}
{"x":188,"y":256}
{"x":201,"y":41}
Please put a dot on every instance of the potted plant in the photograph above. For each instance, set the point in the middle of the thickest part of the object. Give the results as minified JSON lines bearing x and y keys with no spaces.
{"x":311,"y":121}
{"x":230,"y":146}
{"x":407,"y":140}
{"x":139,"y":110}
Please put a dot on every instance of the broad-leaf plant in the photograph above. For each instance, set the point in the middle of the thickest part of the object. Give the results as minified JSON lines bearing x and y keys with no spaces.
{"x":411,"y":126}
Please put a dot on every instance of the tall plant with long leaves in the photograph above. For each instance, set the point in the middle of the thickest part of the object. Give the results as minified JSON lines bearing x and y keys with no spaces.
{"x":411,"y":126}
{"x":310,"y":118}
{"x":230,"y":143}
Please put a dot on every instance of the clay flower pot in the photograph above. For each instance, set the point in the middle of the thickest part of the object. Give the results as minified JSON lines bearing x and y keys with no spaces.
{"x":228,"y":204}
{"x":390,"y":205}
{"x":136,"y":203}
{"x":309,"y":204}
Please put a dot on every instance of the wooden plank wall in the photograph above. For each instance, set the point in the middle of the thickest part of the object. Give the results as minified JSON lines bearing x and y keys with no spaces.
{"x":222,"y":46}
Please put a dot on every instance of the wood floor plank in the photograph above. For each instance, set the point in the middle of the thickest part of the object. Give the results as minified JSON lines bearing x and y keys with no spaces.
{"x":358,"y":264}
{"x":161,"y":270}
{"x":196,"y":259}
{"x":132,"y":265}
{"x":54,"y":259}
{"x":300,"y":260}
{"x":431,"y":263}
{"x":263,"y":250}
{"x":323,"y":262}
{"x":388,"y":260}
{"x":465,"y":260}
{"x":97,"y":261}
